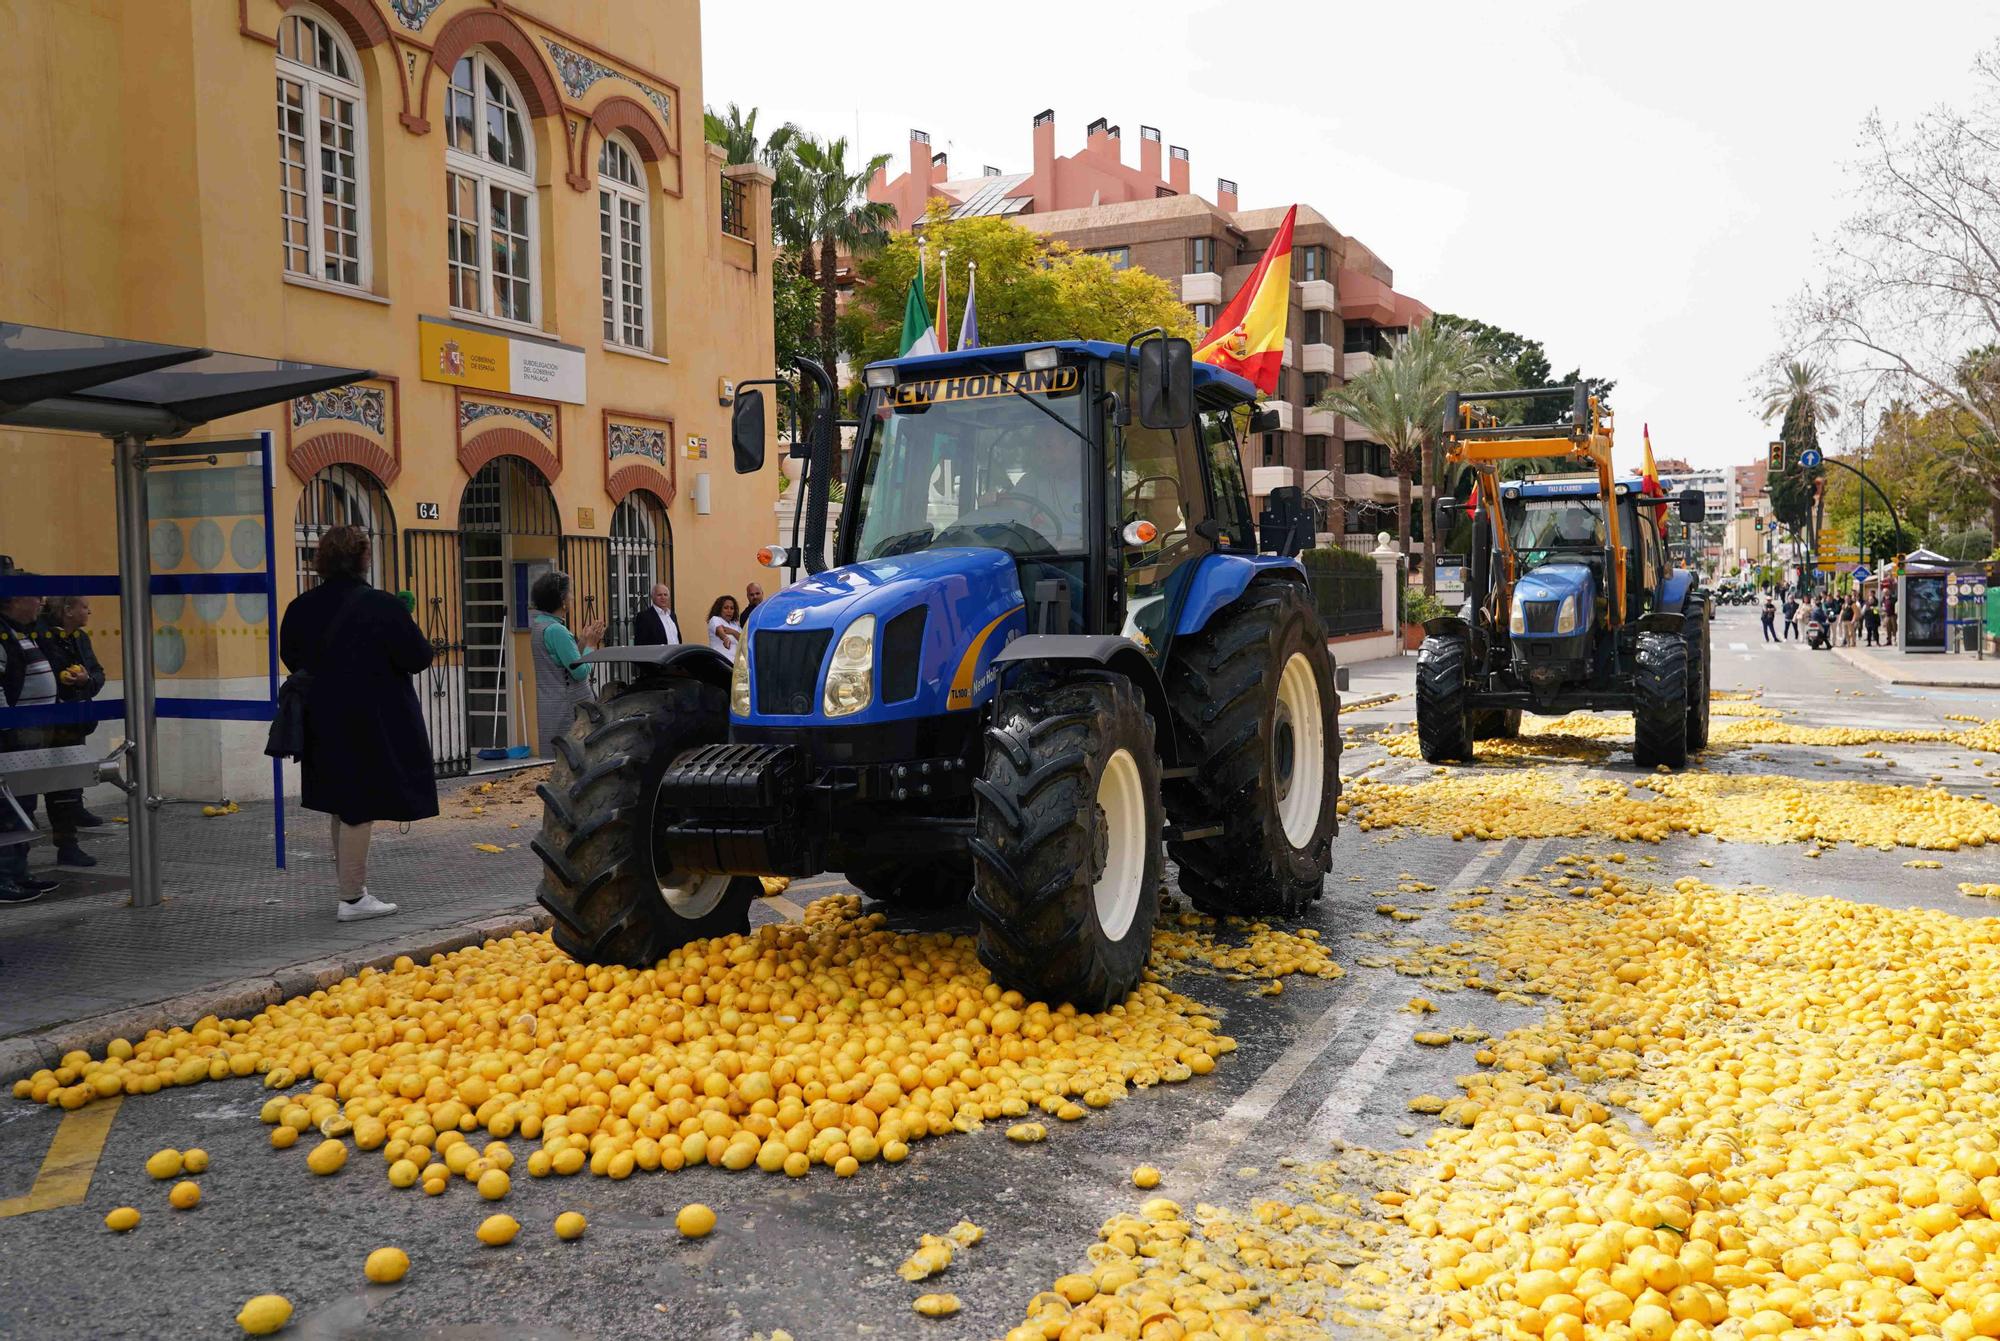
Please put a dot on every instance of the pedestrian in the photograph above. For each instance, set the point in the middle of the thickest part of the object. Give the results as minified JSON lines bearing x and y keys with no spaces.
{"x":79,"y":678}
{"x":753,"y":596}
{"x":562,"y":676}
{"x":1792,"y":615}
{"x":1770,"y":619}
{"x":723,"y":631}
{"x":655,"y":625}
{"x":367,"y":755}
{"x":1846,"y":618}
{"x":1871,"y":621}
{"x":28,"y":681}
{"x":1889,"y":617}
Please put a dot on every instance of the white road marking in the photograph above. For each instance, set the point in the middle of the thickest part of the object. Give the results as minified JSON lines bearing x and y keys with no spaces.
{"x":1739,"y":647}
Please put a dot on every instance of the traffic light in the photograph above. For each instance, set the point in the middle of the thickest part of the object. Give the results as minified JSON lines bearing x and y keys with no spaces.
{"x":1777,"y":466}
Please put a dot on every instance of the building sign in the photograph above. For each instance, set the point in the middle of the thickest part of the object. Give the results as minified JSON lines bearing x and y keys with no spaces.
{"x":586,"y":519}
{"x":427,"y":512}
{"x":487,"y":360}
{"x":1923,"y":626}
{"x":697,"y":448}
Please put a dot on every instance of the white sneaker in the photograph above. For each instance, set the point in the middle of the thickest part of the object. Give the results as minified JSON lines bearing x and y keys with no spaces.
{"x":363,"y":908}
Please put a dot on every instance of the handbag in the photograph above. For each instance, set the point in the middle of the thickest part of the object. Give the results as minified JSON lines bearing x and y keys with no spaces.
{"x":287,"y":737}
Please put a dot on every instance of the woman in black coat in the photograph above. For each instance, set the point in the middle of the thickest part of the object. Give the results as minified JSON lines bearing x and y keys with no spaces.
{"x":367,"y":755}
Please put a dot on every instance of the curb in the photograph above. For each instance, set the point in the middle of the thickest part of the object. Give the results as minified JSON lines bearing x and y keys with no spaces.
{"x":1889,"y":677}
{"x":24,"y":1054}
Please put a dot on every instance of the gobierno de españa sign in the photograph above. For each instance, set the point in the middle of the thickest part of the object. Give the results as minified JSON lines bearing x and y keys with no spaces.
{"x":488,"y":360}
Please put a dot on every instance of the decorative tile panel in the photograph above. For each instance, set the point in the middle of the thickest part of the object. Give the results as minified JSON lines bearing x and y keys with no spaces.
{"x":578,"y":72}
{"x":363,"y":405}
{"x":414,"y":14}
{"x":638,"y":440}
{"x":471,"y":411}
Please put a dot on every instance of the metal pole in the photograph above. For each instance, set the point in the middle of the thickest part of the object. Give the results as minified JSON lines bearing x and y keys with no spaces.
{"x":135,"y":617}
{"x":271,"y":636}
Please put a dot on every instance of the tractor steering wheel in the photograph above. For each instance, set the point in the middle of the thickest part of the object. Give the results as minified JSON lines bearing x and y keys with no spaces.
{"x":1037,"y":511}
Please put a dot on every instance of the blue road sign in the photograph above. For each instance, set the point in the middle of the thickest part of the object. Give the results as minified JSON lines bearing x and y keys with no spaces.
{"x":1810,"y":458}
{"x":1861,"y":573}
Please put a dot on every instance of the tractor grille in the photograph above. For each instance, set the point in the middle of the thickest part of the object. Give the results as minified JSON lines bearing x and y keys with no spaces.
{"x":902,"y":653}
{"x":787,"y":666}
{"x":1540,"y":616}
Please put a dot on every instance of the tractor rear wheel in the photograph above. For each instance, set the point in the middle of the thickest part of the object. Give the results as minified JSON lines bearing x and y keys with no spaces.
{"x":1444,"y":699}
{"x":1256,"y":689}
{"x":1066,"y":857}
{"x":1701,"y":671}
{"x":1660,"y":701}
{"x":937,"y":883}
{"x":599,"y":881}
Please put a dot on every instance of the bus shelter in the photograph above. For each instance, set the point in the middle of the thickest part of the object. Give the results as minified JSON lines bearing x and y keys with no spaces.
{"x":143,"y":397}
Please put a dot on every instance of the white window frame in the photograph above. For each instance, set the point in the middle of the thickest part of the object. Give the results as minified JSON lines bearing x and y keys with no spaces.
{"x":488,"y":177}
{"x":319,"y":85}
{"x":624,"y":246}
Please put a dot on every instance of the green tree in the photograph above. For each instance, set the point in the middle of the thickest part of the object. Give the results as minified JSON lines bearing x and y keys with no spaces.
{"x":1029,"y":289}
{"x":1518,"y":361}
{"x":1805,"y":396}
{"x":736,"y":131}
{"x":826,"y":210}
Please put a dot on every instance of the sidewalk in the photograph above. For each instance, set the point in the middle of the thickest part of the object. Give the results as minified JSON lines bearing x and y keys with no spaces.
{"x":1377,"y":683}
{"x":1931,"y":670}
{"x":234,"y":934}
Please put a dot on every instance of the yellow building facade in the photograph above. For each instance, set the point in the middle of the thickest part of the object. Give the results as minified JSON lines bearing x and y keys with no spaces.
{"x":505,"y":211}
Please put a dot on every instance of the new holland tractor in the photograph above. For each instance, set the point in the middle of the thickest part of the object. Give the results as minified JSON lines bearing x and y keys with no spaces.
{"x":1569,"y":602}
{"x":1050,"y":653}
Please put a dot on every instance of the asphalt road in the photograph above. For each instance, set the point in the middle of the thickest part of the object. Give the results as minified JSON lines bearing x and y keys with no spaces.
{"x":817,"y":1256}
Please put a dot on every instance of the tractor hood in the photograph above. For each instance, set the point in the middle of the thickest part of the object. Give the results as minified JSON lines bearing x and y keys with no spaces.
{"x":1540,"y":595}
{"x":940,"y":616}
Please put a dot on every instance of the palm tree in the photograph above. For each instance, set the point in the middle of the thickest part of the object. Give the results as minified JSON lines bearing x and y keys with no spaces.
{"x":1400,"y":401}
{"x":735,"y":131}
{"x":1805,"y":387}
{"x":825,"y":208}
{"x":1805,"y":396}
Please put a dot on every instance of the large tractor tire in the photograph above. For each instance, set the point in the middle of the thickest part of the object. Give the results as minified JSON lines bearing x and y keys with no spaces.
{"x":1066,"y":856}
{"x":931,"y":883}
{"x":610,"y":904}
{"x":1660,"y":701}
{"x":1496,"y":723}
{"x":1701,"y":672}
{"x":1255,"y":690}
{"x":1444,"y":699}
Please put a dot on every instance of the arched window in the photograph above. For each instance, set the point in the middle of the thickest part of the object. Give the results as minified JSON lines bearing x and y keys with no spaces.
{"x":343,"y":495}
{"x":322,"y":151}
{"x":641,"y":555}
{"x":621,"y":237}
{"x":490,"y":213}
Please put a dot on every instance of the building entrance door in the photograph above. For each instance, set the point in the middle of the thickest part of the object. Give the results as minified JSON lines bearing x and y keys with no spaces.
{"x":510,"y":533}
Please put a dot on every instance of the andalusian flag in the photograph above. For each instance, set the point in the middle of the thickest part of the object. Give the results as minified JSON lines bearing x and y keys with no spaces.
{"x":1248,"y":338}
{"x":918,"y":335}
{"x":1649,"y":478}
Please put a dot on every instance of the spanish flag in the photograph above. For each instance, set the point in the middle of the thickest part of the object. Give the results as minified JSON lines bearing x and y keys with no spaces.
{"x":1248,"y":338}
{"x":1649,"y":478}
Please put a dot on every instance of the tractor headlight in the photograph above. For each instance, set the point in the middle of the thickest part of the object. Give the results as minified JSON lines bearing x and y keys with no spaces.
{"x":1516,"y":623}
{"x":739,"y":684}
{"x":850,"y":681}
{"x":1566,"y":615}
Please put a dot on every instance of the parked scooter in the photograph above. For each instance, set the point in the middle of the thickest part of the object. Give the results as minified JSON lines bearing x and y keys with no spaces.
{"x":1817,"y":635}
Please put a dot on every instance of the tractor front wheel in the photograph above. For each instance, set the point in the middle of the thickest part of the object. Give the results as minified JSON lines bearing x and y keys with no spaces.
{"x":1701,"y":672}
{"x":1444,"y":700}
{"x":1660,"y":701}
{"x":1066,"y":857}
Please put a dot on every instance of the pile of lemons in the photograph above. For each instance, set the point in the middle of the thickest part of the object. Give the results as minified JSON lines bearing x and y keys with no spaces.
{"x":1742,"y":1115}
{"x":836,"y":1042}
{"x":1583,"y":736}
{"x":1522,"y":803}
{"x":1181,"y":936}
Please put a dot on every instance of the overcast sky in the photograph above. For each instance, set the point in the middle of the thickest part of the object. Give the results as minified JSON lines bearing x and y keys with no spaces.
{"x":1639,"y":186}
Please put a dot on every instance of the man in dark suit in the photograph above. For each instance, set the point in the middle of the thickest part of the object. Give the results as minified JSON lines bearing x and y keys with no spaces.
{"x":655,"y":624}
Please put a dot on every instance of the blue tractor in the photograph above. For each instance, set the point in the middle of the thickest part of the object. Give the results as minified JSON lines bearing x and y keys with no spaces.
{"x":1050,"y":652}
{"x":1570,"y":600}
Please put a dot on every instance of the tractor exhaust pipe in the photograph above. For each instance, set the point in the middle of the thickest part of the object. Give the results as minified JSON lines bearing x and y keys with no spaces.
{"x":819,"y":467}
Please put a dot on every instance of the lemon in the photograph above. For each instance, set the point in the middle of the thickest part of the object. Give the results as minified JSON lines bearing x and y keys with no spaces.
{"x":570,"y":1225}
{"x":121,"y":1220}
{"x":194,"y":1161}
{"x":1145,"y":1176}
{"x":695,"y":1221}
{"x":403,"y":1173}
{"x":284,"y":1138}
{"x":165,"y":1164}
{"x":494,"y":1184}
{"x":498,"y":1230}
{"x":327,"y":1157}
{"x":386,"y":1266}
{"x":264,"y":1314}
{"x":936,"y":1305}
{"x":185,"y":1196}
{"x":1026,"y":1132}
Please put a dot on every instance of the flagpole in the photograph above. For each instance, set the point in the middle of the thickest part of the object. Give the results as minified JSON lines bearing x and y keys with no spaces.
{"x":943,"y":307}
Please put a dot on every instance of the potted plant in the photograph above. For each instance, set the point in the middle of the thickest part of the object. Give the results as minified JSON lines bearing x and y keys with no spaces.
{"x":1419,"y":607}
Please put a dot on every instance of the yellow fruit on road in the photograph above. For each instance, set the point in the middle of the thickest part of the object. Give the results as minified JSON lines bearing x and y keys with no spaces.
{"x":284,"y":1138}
{"x":327,"y":1157}
{"x":264,"y":1314}
{"x":498,"y":1230}
{"x":122,"y":1219}
{"x":695,"y":1221}
{"x":185,"y":1196}
{"x":936,"y":1305}
{"x":165,"y":1164}
{"x":194,"y":1161}
{"x":494,"y":1184}
{"x":1027,"y":1132}
{"x":1145,"y":1176}
{"x":403,"y":1173}
{"x":570,"y":1225}
{"x":386,"y":1266}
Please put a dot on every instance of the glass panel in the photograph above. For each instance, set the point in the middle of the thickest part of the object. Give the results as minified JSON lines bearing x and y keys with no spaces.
{"x":506,"y":141}
{"x":292,"y":175}
{"x":462,"y":240}
{"x":605,"y":278}
{"x":461,"y":108}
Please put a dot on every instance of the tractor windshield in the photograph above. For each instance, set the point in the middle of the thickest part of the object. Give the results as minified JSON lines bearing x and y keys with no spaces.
{"x":992,"y":460}
{"x":1554,"y":530}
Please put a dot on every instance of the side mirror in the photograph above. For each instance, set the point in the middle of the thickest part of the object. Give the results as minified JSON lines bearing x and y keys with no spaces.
{"x":1166,"y":383}
{"x":1283,"y":528}
{"x":1264,"y":421}
{"x":746,"y":431}
{"x":1447,"y":515}
{"x":1694,"y":505}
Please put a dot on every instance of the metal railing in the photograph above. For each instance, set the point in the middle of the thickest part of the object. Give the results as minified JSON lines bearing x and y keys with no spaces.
{"x":1348,"y":601}
{"x":735,"y":212}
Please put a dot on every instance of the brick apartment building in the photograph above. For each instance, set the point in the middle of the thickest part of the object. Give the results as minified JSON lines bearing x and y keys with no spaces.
{"x":1344,"y":304}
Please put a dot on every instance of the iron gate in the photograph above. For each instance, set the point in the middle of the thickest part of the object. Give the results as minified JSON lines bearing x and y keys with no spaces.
{"x":433,"y":565}
{"x":586,"y":558}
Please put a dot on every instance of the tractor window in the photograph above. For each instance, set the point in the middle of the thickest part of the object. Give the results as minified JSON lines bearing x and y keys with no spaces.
{"x":1230,"y":505}
{"x":966,"y":461}
{"x":1155,"y":487}
{"x":1550,"y":530}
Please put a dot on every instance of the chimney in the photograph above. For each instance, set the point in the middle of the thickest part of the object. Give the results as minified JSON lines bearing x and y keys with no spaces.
{"x":1177,"y":169}
{"x":1225,"y":195}
{"x":1097,"y":139}
{"x":920,"y":155}
{"x":1042,"y":182}
{"x":1149,"y":151}
{"x":940,"y":168}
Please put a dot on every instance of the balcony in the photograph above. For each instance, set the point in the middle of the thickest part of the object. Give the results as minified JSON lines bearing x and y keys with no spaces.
{"x":1356,"y":364}
{"x":1263,"y":479}
{"x":1287,"y":361}
{"x":1316,"y":358}
{"x":1284,"y":412}
{"x":1202,"y":288}
{"x":1322,"y":422}
{"x":1373,"y":489}
{"x":1353,"y":430}
{"x":1317,"y":295}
